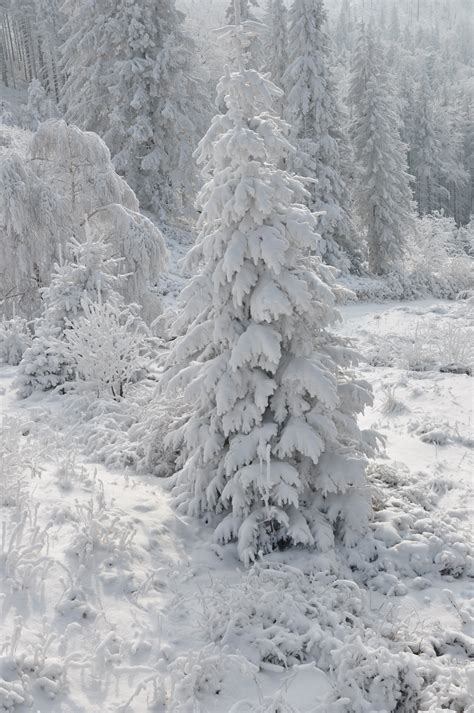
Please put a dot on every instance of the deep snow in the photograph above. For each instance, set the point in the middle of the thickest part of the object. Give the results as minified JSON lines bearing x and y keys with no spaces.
{"x":112,"y":602}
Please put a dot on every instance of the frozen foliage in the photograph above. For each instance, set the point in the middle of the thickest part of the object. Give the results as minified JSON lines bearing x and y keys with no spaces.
{"x":39,"y":107}
{"x":131,"y":77}
{"x":45,"y":363}
{"x":383,"y":196}
{"x":34,"y":669}
{"x":438,"y":263}
{"x":281,"y":616}
{"x":111,"y":599}
{"x":255,"y":31}
{"x":15,"y":337}
{"x":311,"y":107}
{"x":48,"y":191}
{"x":265,"y":410}
{"x":105,"y":347}
{"x":276,"y":41}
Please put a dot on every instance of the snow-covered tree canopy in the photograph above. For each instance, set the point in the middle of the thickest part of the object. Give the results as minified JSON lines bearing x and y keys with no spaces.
{"x":131,"y":76}
{"x":383,"y":195}
{"x":63,"y":177}
{"x":266,"y":429}
{"x":311,"y":107}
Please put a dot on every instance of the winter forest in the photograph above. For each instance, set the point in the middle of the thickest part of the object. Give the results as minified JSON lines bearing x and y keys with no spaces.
{"x":236,"y":356}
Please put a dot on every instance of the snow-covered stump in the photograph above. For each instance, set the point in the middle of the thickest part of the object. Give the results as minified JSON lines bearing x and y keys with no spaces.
{"x":266,"y":412}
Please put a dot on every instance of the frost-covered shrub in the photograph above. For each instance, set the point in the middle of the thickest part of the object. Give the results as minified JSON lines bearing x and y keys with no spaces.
{"x":62,"y":181}
{"x":265,"y":409}
{"x":105,"y":347}
{"x":18,"y":463}
{"x":44,"y":364}
{"x":42,"y":367}
{"x":282,"y":616}
{"x":15,"y":337}
{"x":30,"y":669}
{"x":439,"y":256}
{"x":197,"y":674}
{"x":438,"y":264}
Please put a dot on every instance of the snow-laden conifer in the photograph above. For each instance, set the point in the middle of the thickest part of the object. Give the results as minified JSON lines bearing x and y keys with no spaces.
{"x":383,"y":195}
{"x":311,"y":107}
{"x":264,"y":411}
{"x":39,"y":107}
{"x":132,"y":77}
{"x":276,"y":40}
{"x":253,"y":43}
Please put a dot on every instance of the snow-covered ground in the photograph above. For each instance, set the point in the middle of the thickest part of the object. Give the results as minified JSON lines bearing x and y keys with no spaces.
{"x":112,"y":602}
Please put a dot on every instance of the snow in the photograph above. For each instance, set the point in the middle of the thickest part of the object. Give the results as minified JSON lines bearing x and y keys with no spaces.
{"x":111,"y":601}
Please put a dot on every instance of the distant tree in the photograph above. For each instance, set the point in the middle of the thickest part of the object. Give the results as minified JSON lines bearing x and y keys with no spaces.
{"x":276,"y":40}
{"x":426,"y":152}
{"x":312,"y":109}
{"x":253,"y":47}
{"x":132,"y":77}
{"x":39,"y":107}
{"x":383,"y":195}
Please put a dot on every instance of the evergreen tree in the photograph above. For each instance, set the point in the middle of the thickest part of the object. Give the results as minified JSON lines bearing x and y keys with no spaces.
{"x":383,"y":195}
{"x":253,"y":47}
{"x":39,"y":107}
{"x":276,"y":44}
{"x":314,"y":113}
{"x":265,"y":412}
{"x":454,"y":176}
{"x":131,"y":77}
{"x":426,"y":152}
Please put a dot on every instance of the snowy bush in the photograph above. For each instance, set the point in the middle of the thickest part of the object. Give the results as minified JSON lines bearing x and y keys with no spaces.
{"x":105,"y":348}
{"x":30,"y":669}
{"x":18,"y":462}
{"x":437,"y":264}
{"x":281,"y":615}
{"x":15,"y":337}
{"x":44,"y":364}
{"x":265,"y":409}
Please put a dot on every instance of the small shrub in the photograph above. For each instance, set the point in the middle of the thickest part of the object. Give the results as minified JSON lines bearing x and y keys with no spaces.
{"x":106,"y":348}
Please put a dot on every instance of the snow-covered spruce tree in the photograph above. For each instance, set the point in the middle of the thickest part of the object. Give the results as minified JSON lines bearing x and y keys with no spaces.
{"x":39,"y":107}
{"x":15,"y":337}
{"x":426,"y":152}
{"x":383,"y":196}
{"x":92,"y":275}
{"x":132,"y":78}
{"x":312,"y":109}
{"x":254,"y":46}
{"x":276,"y":40}
{"x":84,"y":59}
{"x":264,"y":411}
